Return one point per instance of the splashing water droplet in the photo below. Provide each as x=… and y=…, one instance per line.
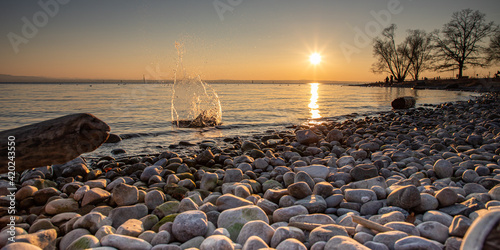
x=194, y=102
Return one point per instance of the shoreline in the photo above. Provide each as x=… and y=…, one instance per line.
x=482, y=85
x=428, y=171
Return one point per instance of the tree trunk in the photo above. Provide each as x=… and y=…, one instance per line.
x=460, y=69
x=50, y=142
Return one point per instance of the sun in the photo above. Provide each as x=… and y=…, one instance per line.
x=315, y=58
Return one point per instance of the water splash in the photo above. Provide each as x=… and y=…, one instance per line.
x=194, y=102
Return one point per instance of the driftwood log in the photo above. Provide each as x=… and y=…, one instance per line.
x=371, y=224
x=50, y=142
x=311, y=226
x=404, y=102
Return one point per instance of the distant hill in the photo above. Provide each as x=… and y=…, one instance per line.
x=11, y=78
x=5, y=78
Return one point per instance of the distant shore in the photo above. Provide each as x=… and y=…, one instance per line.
x=473, y=84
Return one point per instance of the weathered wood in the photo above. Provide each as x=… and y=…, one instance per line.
x=370, y=224
x=404, y=102
x=53, y=141
x=312, y=226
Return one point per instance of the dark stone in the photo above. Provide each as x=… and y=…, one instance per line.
x=489, y=183
x=248, y=145
x=404, y=197
x=205, y=157
x=306, y=137
x=113, y=138
x=299, y=190
x=364, y=171
x=78, y=169
x=404, y=102
x=117, y=151
x=371, y=207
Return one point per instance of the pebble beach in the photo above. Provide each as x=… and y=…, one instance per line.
x=421, y=176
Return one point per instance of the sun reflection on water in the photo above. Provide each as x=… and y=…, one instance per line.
x=313, y=105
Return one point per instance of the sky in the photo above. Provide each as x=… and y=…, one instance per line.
x=221, y=39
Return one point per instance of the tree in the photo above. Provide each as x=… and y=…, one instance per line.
x=419, y=47
x=391, y=58
x=493, y=51
x=461, y=42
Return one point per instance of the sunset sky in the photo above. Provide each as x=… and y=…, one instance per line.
x=223, y=39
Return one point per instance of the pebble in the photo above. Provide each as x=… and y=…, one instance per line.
x=256, y=228
x=344, y=242
x=306, y=137
x=95, y=196
x=313, y=204
x=254, y=243
x=154, y=198
x=234, y=219
x=121, y=214
x=438, y=216
x=299, y=190
x=427, y=172
x=428, y=202
x=403, y=226
x=389, y=238
x=433, y=230
x=291, y=244
x=124, y=194
x=217, y=242
x=315, y=171
x=325, y=232
x=443, y=168
x=131, y=227
x=229, y=201
x=415, y=242
x=125, y=242
x=405, y=197
x=72, y=236
x=92, y=221
x=283, y=233
x=360, y=195
x=84, y=242
x=376, y=245
x=45, y=239
x=364, y=171
x=21, y=246
x=61, y=206
x=446, y=197
x=190, y=224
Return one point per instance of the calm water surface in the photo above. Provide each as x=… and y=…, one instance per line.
x=247, y=109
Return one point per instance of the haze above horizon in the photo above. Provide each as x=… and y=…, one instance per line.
x=222, y=39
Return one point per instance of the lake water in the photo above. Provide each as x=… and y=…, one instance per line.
x=143, y=111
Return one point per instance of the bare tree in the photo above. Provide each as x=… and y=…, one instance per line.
x=391, y=58
x=493, y=51
x=419, y=51
x=461, y=42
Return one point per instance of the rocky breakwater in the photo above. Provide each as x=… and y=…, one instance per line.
x=399, y=180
